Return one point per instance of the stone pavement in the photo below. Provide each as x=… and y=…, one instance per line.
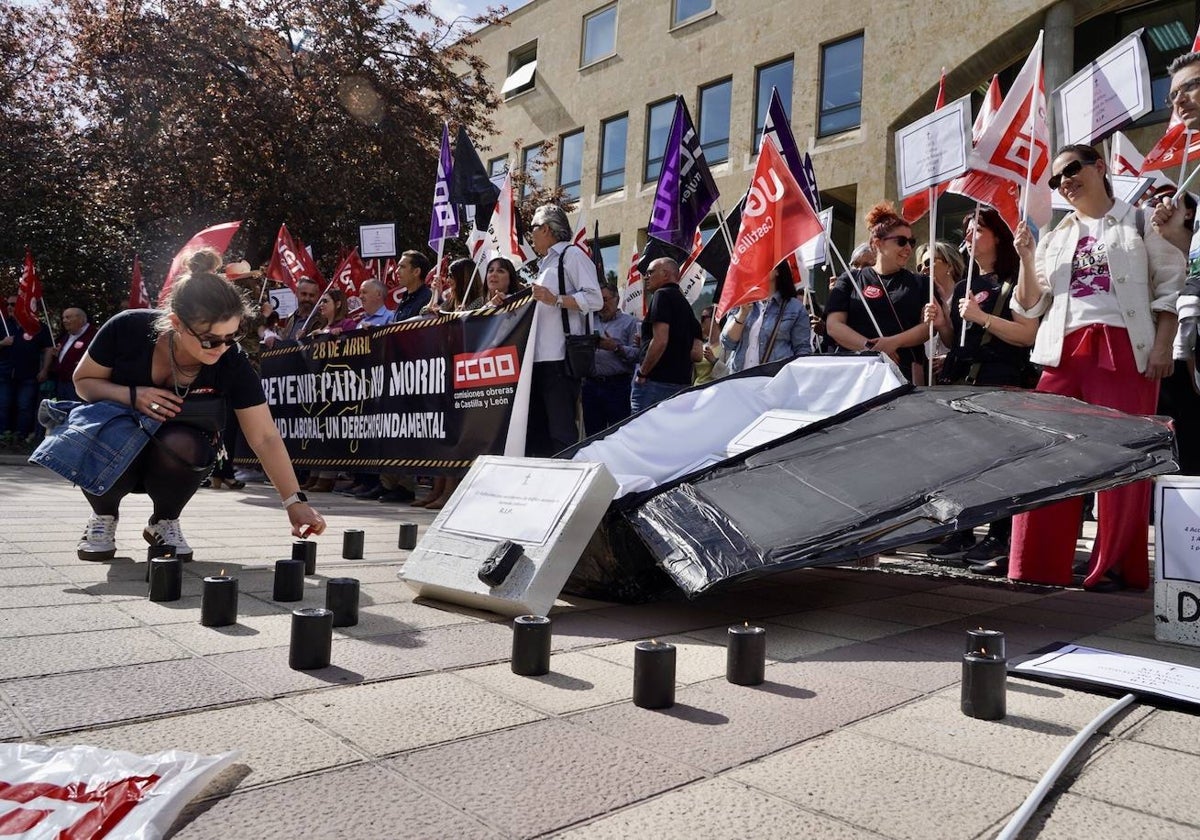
x=419, y=728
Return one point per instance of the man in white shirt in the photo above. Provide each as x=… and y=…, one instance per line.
x=79, y=333
x=374, y=312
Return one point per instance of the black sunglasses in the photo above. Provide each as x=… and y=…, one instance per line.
x=900, y=240
x=209, y=342
x=1069, y=171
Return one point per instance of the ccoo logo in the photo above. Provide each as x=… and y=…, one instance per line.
x=500, y=366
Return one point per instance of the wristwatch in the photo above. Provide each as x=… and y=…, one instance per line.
x=293, y=499
x=558, y=301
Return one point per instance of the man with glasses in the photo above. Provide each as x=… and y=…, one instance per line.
x=670, y=339
x=78, y=333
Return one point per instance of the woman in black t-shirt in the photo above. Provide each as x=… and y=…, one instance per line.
x=894, y=296
x=180, y=367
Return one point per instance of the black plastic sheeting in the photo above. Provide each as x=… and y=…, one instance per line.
x=908, y=467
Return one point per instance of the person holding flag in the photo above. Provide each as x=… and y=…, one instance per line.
x=768, y=330
x=892, y=296
x=1104, y=283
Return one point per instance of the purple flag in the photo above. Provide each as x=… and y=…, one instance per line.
x=443, y=224
x=777, y=127
x=686, y=189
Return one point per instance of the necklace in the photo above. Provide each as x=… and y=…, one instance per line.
x=179, y=371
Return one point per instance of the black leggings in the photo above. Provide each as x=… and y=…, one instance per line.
x=165, y=477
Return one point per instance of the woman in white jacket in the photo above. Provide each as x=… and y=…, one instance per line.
x=1104, y=284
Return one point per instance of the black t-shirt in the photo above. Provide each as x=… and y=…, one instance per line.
x=126, y=344
x=896, y=301
x=669, y=306
x=27, y=352
x=1001, y=362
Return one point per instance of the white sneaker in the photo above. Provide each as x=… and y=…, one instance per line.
x=168, y=532
x=99, y=540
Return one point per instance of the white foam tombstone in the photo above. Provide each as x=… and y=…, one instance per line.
x=1177, y=559
x=550, y=507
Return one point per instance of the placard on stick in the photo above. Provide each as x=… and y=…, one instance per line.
x=1177, y=559
x=934, y=148
x=1107, y=93
x=377, y=241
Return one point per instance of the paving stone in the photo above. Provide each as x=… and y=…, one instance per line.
x=187, y=610
x=1144, y=778
x=44, y=596
x=464, y=644
x=650, y=620
x=997, y=593
x=68, y=618
x=250, y=633
x=18, y=559
x=536, y=778
x=351, y=661
x=893, y=666
x=10, y=725
x=784, y=643
x=761, y=602
x=587, y=629
x=1170, y=730
x=274, y=744
x=716, y=725
x=384, y=718
x=899, y=613
x=31, y=656
x=831, y=623
x=696, y=660
x=1042, y=615
x=1071, y=817
x=892, y=789
x=401, y=617
x=936, y=600
x=1139, y=629
x=576, y=681
x=90, y=698
x=346, y=804
x=1110, y=605
x=31, y=576
x=715, y=810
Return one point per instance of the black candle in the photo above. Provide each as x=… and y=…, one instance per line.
x=166, y=579
x=352, y=544
x=983, y=686
x=408, y=536
x=654, y=675
x=157, y=550
x=312, y=639
x=306, y=550
x=289, y=580
x=746, y=655
x=990, y=642
x=218, y=601
x=531, y=645
x=341, y=599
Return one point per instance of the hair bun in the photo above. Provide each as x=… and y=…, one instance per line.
x=203, y=261
x=883, y=212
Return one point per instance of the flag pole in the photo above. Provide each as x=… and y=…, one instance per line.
x=1187, y=142
x=962, y=341
x=324, y=292
x=46, y=312
x=724, y=226
x=1033, y=92
x=857, y=287
x=262, y=293
x=930, y=345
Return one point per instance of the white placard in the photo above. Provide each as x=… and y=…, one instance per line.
x=1104, y=667
x=1128, y=188
x=1104, y=95
x=519, y=502
x=377, y=241
x=813, y=252
x=934, y=148
x=769, y=426
x=1177, y=529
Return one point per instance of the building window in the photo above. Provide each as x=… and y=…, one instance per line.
x=778, y=76
x=684, y=10
x=497, y=169
x=532, y=165
x=570, y=163
x=599, y=35
x=522, y=66
x=715, y=100
x=613, y=134
x=841, y=86
x=658, y=126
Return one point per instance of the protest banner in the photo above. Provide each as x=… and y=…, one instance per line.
x=1107, y=93
x=428, y=395
x=934, y=148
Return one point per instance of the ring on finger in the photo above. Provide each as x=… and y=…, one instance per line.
x=155, y=407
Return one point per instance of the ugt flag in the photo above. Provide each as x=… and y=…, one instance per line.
x=216, y=237
x=1177, y=143
x=686, y=189
x=776, y=220
x=776, y=127
x=349, y=278
x=29, y=297
x=138, y=298
x=443, y=224
x=998, y=193
x=290, y=262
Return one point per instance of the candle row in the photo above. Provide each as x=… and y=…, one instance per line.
x=984, y=665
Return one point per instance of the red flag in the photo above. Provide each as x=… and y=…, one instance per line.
x=349, y=278
x=29, y=297
x=633, y=299
x=290, y=262
x=138, y=299
x=776, y=220
x=998, y=193
x=917, y=204
x=217, y=236
x=1016, y=143
x=1169, y=151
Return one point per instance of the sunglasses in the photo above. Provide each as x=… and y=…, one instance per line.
x=900, y=240
x=1069, y=171
x=208, y=342
x=1181, y=91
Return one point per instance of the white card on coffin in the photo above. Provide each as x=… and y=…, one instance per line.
x=550, y=507
x=771, y=425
